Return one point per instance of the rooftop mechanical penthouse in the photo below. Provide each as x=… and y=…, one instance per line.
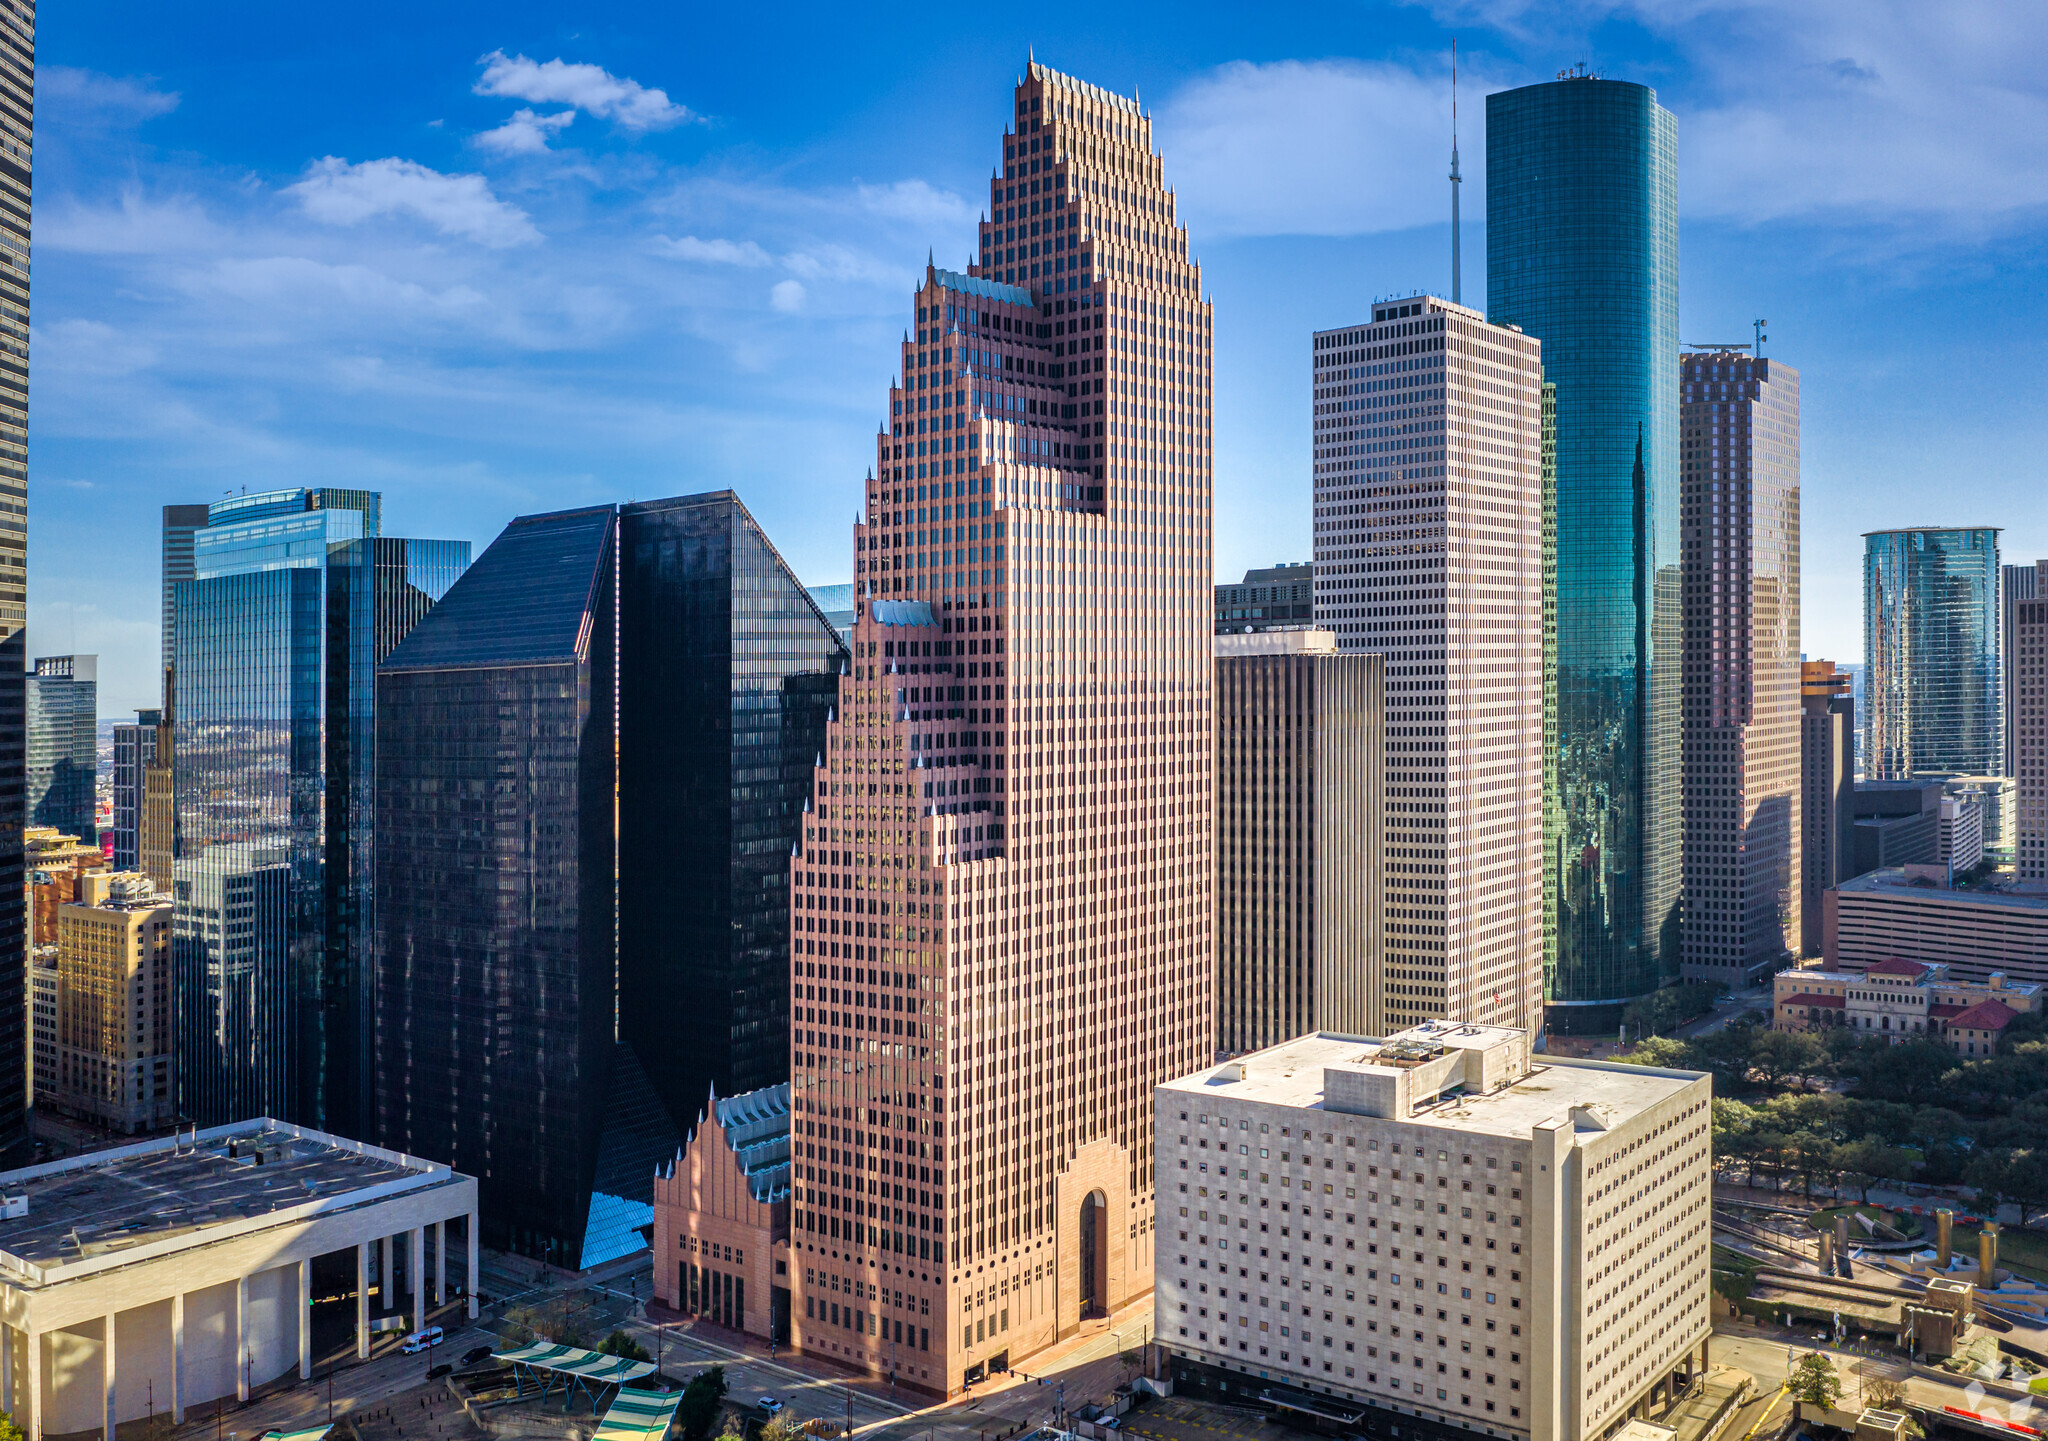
x=1435, y=1230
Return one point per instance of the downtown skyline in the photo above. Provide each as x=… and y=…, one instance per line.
x=385, y=288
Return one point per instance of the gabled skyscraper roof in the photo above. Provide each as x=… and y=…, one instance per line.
x=526, y=601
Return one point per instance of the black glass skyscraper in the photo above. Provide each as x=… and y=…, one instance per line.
x=1582, y=252
x=496, y=959
x=293, y=599
x=727, y=672
x=537, y=1025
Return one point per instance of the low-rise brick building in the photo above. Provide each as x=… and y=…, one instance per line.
x=1903, y=1000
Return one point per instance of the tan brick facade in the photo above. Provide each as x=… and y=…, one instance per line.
x=718, y=1250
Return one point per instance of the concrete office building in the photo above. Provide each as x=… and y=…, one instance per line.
x=63, y=740
x=1744, y=834
x=1561, y=1277
x=1278, y=597
x=1895, y=823
x=1959, y=826
x=1827, y=780
x=111, y=1314
x=1300, y=853
x=1035, y=573
x=134, y=749
x=1582, y=254
x=56, y=864
x=1430, y=551
x=1931, y=598
x=2017, y=583
x=111, y=1060
x=2028, y=682
x=17, y=148
x=1912, y=913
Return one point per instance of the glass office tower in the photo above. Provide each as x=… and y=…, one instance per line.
x=1932, y=688
x=496, y=956
x=292, y=601
x=63, y=738
x=1582, y=252
x=727, y=672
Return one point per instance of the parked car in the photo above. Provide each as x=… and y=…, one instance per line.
x=435, y=1373
x=419, y=1341
x=769, y=1406
x=475, y=1354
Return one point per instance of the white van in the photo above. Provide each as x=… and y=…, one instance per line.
x=419, y=1341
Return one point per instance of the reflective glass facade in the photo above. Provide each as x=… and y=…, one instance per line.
x=278, y=635
x=727, y=672
x=63, y=726
x=1932, y=687
x=495, y=961
x=1582, y=252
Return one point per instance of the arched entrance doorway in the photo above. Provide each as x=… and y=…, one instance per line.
x=1094, y=1255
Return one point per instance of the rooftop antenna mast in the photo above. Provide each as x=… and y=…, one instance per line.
x=1457, y=286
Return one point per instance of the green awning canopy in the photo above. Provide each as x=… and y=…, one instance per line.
x=570, y=1361
x=638, y=1415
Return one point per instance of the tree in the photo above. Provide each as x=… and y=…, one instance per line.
x=1780, y=1056
x=2026, y=1181
x=1987, y=1174
x=782, y=1428
x=624, y=1347
x=1813, y=1380
x=698, y=1410
x=1864, y=1163
x=1659, y=1051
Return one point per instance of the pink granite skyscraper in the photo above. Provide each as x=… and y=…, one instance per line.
x=1001, y=905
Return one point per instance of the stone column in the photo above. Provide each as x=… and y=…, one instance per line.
x=306, y=1320
x=35, y=1386
x=109, y=1369
x=241, y=1338
x=440, y=1263
x=384, y=1274
x=362, y=1300
x=178, y=1359
x=469, y=1230
x=6, y=1368
x=416, y=1267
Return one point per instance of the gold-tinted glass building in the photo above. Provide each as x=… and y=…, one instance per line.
x=1299, y=845
x=1739, y=495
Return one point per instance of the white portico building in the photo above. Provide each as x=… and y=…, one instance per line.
x=162, y=1275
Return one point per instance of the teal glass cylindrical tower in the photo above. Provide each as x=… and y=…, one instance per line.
x=1582, y=252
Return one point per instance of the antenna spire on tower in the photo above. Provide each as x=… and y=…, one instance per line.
x=1457, y=284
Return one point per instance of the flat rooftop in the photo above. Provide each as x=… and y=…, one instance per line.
x=107, y=1202
x=1291, y=1074
x=1984, y=893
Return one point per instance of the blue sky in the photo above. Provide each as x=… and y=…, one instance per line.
x=488, y=262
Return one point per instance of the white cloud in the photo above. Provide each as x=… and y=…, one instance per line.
x=525, y=133
x=67, y=93
x=787, y=296
x=589, y=88
x=1888, y=111
x=916, y=202
x=713, y=252
x=338, y=193
x=89, y=348
x=1314, y=147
